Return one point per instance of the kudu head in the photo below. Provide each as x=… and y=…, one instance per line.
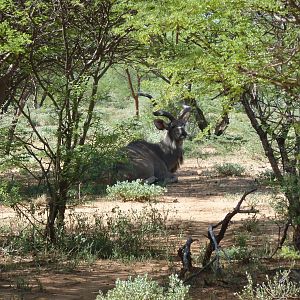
x=176, y=126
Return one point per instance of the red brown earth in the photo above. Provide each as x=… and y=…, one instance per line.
x=199, y=198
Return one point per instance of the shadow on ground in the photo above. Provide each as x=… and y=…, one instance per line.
x=192, y=196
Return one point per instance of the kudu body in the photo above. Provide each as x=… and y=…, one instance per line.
x=157, y=161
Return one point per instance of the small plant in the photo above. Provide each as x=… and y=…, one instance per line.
x=289, y=253
x=280, y=205
x=280, y=287
x=241, y=239
x=251, y=224
x=239, y=253
x=133, y=233
x=23, y=284
x=267, y=177
x=230, y=169
x=134, y=191
x=119, y=234
x=9, y=193
x=144, y=288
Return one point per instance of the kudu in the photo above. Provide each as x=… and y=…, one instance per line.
x=157, y=161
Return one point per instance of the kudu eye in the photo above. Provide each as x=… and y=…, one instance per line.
x=179, y=132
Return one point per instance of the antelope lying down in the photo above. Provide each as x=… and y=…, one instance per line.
x=157, y=162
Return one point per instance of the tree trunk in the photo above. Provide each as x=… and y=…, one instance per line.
x=214, y=240
x=11, y=132
x=50, y=232
x=222, y=125
x=288, y=174
x=207, y=255
x=135, y=95
x=4, y=85
x=63, y=195
x=294, y=211
x=296, y=237
x=198, y=113
x=262, y=135
x=57, y=208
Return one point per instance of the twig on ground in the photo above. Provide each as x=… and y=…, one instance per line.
x=184, y=253
x=283, y=238
x=216, y=239
x=200, y=271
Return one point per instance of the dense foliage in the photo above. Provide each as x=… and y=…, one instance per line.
x=247, y=52
x=134, y=191
x=240, y=54
x=61, y=136
x=66, y=47
x=144, y=288
x=278, y=287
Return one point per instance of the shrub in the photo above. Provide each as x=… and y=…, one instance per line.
x=9, y=193
x=97, y=161
x=118, y=234
x=230, y=169
x=251, y=224
x=144, y=288
x=289, y=253
x=239, y=253
x=280, y=287
x=133, y=233
x=267, y=177
x=134, y=191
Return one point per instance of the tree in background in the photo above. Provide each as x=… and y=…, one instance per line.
x=63, y=49
x=246, y=51
x=13, y=47
x=54, y=55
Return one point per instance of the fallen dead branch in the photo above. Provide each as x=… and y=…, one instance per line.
x=184, y=252
x=283, y=238
x=200, y=271
x=215, y=239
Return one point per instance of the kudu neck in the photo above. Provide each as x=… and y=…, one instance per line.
x=170, y=144
x=171, y=147
x=171, y=152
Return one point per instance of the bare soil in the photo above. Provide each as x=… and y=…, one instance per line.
x=198, y=199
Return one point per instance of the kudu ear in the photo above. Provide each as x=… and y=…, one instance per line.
x=161, y=124
x=185, y=113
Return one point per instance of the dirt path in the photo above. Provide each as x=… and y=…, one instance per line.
x=197, y=200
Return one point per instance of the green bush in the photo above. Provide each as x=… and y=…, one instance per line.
x=9, y=193
x=280, y=287
x=134, y=191
x=230, y=169
x=267, y=177
x=133, y=233
x=96, y=161
x=28, y=240
x=144, y=288
x=289, y=253
x=239, y=253
x=126, y=235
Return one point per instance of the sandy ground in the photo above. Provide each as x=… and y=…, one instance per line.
x=199, y=198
